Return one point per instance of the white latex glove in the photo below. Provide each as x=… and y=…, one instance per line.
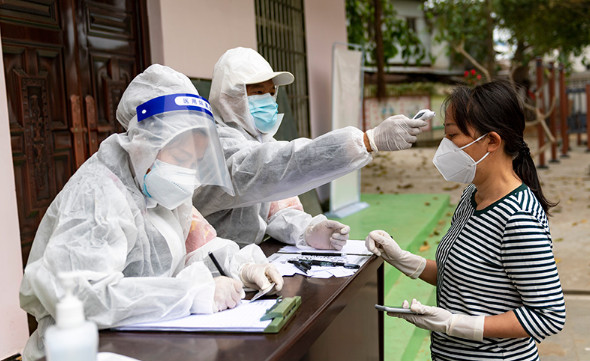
x=327, y=234
x=259, y=276
x=228, y=292
x=381, y=244
x=395, y=133
x=440, y=320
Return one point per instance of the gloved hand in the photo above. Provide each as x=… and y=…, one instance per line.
x=381, y=244
x=259, y=276
x=228, y=292
x=327, y=235
x=395, y=133
x=441, y=320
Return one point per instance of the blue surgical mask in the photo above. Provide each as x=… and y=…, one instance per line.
x=265, y=111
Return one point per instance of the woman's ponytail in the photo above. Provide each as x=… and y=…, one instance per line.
x=525, y=169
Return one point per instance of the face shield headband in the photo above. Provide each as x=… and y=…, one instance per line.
x=172, y=102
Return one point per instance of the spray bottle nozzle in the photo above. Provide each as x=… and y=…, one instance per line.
x=69, y=310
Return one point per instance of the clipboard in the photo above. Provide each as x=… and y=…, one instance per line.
x=262, y=316
x=281, y=313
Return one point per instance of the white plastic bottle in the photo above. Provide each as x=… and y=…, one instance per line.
x=72, y=338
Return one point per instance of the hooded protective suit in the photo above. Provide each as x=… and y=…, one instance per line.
x=104, y=229
x=263, y=169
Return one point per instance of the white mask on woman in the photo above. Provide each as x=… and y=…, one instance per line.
x=169, y=185
x=453, y=163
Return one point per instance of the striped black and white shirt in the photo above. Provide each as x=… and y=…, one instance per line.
x=495, y=260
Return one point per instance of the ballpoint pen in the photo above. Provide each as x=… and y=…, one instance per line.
x=217, y=265
x=327, y=254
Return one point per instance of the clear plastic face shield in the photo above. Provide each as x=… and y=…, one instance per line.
x=190, y=154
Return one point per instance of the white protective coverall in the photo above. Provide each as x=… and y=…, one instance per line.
x=99, y=226
x=263, y=169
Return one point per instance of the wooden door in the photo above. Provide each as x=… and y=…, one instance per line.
x=66, y=65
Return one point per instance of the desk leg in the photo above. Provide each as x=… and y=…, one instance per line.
x=381, y=315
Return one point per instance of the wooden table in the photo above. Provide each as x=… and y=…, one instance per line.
x=336, y=321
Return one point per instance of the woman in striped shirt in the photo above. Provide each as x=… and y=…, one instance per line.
x=498, y=290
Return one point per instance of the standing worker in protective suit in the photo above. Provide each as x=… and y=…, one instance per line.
x=121, y=223
x=266, y=172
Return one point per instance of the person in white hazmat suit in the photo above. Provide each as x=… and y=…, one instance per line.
x=266, y=172
x=122, y=223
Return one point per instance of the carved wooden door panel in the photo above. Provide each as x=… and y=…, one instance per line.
x=66, y=64
x=112, y=49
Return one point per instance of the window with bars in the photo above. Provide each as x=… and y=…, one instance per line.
x=280, y=33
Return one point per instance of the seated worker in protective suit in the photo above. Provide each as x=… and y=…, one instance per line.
x=122, y=222
x=266, y=172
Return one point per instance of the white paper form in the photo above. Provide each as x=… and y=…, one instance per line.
x=352, y=246
x=243, y=318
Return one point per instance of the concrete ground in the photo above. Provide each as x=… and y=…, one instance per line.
x=568, y=182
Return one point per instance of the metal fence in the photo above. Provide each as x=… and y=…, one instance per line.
x=576, y=119
x=280, y=32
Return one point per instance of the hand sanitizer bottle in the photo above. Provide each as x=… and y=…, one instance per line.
x=72, y=338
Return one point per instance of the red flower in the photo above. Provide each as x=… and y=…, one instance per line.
x=472, y=71
x=478, y=76
x=466, y=74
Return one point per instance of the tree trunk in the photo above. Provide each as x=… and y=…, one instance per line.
x=379, y=53
x=521, y=73
x=491, y=54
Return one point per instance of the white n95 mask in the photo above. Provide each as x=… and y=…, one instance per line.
x=453, y=163
x=169, y=185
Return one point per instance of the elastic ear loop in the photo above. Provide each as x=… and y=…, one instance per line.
x=477, y=140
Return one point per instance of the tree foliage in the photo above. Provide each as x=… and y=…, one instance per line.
x=536, y=27
x=398, y=38
x=542, y=27
x=464, y=24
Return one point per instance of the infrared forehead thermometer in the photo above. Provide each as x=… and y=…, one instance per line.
x=424, y=114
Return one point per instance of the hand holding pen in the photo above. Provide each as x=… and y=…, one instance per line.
x=228, y=291
x=262, y=276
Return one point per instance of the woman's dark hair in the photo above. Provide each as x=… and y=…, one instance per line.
x=496, y=107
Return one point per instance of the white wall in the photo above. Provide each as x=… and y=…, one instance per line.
x=190, y=35
x=411, y=9
x=577, y=65
x=325, y=24
x=13, y=328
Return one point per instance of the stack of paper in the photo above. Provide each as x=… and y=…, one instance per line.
x=244, y=318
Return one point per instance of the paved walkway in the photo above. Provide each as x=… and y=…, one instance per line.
x=568, y=182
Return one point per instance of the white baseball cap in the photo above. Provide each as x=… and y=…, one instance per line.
x=278, y=77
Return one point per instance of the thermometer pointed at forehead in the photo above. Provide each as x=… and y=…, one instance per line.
x=424, y=114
